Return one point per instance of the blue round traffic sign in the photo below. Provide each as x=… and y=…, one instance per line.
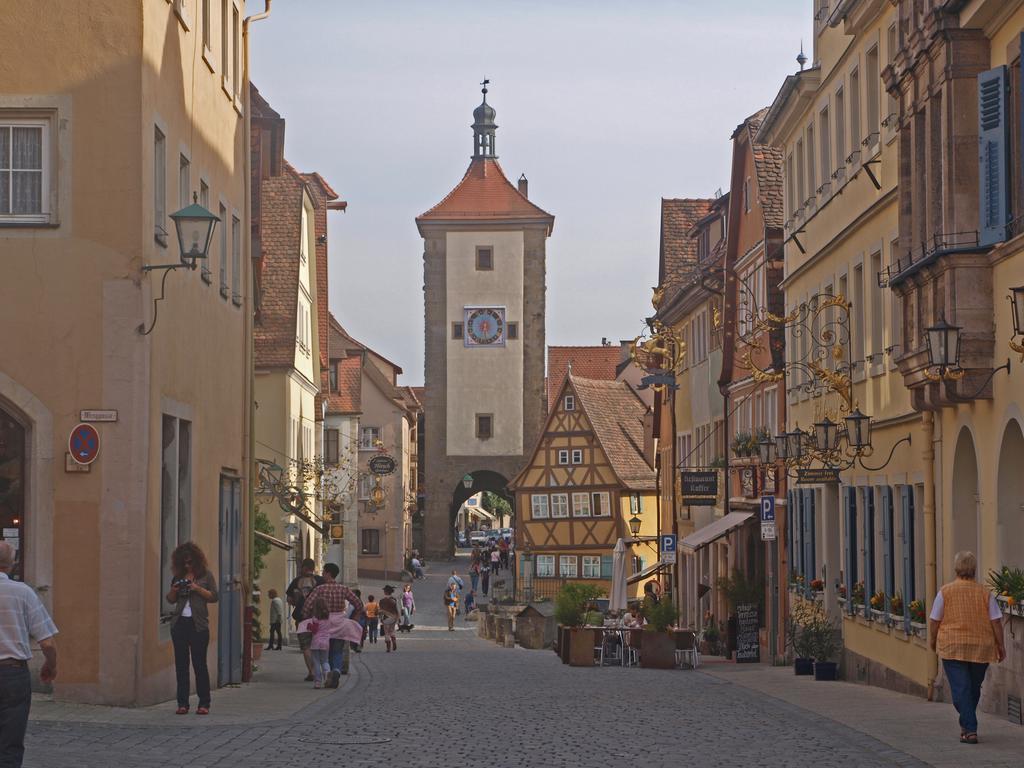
x=84, y=444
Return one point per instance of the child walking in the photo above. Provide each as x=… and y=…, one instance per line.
x=321, y=643
x=372, y=619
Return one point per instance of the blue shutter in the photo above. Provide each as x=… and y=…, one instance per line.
x=869, y=547
x=907, y=547
x=606, y=566
x=790, y=538
x=798, y=534
x=993, y=157
x=888, y=544
x=850, y=497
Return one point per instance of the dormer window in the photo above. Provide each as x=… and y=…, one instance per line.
x=332, y=376
x=570, y=403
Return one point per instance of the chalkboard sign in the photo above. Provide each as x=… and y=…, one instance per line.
x=748, y=646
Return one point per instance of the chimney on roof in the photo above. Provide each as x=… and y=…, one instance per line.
x=524, y=185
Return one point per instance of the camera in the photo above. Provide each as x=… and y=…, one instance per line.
x=183, y=585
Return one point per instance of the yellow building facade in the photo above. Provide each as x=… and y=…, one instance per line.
x=134, y=117
x=864, y=535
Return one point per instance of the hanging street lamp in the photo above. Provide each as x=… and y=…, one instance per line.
x=467, y=481
x=826, y=435
x=634, y=525
x=858, y=431
x=944, y=349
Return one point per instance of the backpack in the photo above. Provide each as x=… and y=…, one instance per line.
x=303, y=587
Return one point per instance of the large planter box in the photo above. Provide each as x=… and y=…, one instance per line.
x=825, y=670
x=564, y=633
x=803, y=666
x=658, y=650
x=581, y=647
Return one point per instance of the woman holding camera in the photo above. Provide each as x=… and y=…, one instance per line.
x=193, y=588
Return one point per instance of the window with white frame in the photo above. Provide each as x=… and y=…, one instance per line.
x=812, y=176
x=368, y=438
x=877, y=311
x=567, y=566
x=225, y=43
x=545, y=566
x=159, y=186
x=581, y=505
x=684, y=445
x=602, y=503
x=559, y=505
x=236, y=29
x=591, y=566
x=872, y=106
x=577, y=455
x=825, y=142
x=26, y=167
x=854, y=111
x=365, y=485
x=840, y=128
x=563, y=456
x=539, y=506
x=801, y=178
x=570, y=403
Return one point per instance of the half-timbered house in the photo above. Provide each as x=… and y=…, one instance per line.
x=589, y=474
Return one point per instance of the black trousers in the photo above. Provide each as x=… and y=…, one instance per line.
x=188, y=642
x=15, y=700
x=275, y=628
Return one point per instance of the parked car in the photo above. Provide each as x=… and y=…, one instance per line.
x=461, y=540
x=493, y=535
x=477, y=538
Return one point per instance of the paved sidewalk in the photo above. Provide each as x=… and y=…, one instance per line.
x=922, y=729
x=277, y=692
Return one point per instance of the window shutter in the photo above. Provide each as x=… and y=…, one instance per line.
x=993, y=157
x=888, y=566
x=790, y=537
x=807, y=511
x=850, y=499
x=869, y=548
x=907, y=511
x=606, y=566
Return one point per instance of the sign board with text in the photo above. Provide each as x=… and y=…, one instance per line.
x=700, y=488
x=382, y=464
x=667, y=546
x=815, y=475
x=748, y=642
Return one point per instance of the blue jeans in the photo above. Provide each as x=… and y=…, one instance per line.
x=474, y=578
x=15, y=700
x=965, y=679
x=338, y=656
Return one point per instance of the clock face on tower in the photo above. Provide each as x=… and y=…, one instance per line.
x=485, y=326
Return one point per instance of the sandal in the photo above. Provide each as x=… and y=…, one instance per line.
x=181, y=711
x=202, y=710
x=968, y=738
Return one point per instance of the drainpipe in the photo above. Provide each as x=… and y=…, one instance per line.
x=249, y=443
x=930, y=581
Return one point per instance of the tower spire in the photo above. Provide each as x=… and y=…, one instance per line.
x=484, y=127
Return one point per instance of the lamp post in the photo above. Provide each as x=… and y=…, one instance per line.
x=467, y=481
x=194, y=225
x=634, y=524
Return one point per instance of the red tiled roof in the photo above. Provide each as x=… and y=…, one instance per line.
x=597, y=362
x=485, y=194
x=348, y=398
x=678, y=250
x=617, y=416
x=274, y=329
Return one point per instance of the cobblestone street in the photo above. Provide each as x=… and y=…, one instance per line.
x=452, y=699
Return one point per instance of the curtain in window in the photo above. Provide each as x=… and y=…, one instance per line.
x=5, y=173
x=27, y=170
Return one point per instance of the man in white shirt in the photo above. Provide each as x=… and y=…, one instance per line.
x=22, y=619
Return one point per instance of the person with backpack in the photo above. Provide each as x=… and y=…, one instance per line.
x=297, y=592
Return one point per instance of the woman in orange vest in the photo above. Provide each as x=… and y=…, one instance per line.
x=967, y=634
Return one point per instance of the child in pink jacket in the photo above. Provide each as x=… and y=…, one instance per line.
x=326, y=626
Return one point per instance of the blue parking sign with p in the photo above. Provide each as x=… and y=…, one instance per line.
x=668, y=542
x=767, y=509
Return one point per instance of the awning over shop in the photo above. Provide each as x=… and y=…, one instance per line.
x=647, y=572
x=272, y=541
x=714, y=531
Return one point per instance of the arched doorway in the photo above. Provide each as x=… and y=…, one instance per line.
x=965, y=498
x=1010, y=497
x=472, y=484
x=12, y=487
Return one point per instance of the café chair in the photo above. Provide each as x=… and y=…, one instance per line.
x=686, y=650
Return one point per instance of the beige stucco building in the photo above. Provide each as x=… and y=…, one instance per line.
x=143, y=107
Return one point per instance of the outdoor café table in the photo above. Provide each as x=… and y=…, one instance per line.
x=611, y=634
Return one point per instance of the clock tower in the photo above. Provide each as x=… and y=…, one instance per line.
x=484, y=285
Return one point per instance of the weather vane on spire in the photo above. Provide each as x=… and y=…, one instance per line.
x=485, y=83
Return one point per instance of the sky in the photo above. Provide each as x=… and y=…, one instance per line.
x=607, y=107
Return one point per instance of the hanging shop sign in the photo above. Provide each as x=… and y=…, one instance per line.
x=815, y=475
x=700, y=488
x=382, y=464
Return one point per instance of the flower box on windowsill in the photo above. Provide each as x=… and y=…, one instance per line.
x=919, y=630
x=877, y=615
x=1010, y=610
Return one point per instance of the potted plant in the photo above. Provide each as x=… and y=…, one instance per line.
x=658, y=644
x=817, y=585
x=858, y=593
x=1008, y=586
x=571, y=612
x=822, y=642
x=709, y=646
x=878, y=602
x=741, y=444
x=917, y=617
x=799, y=638
x=896, y=604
